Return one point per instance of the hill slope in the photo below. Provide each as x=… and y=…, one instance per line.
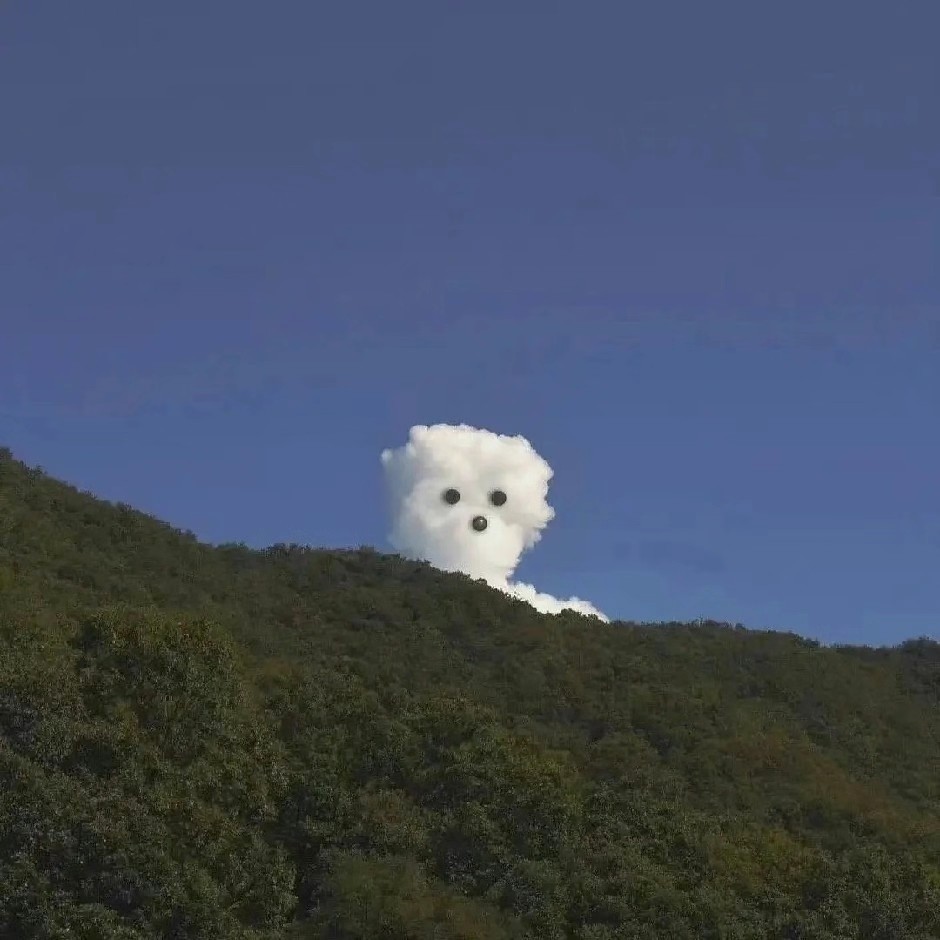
x=214, y=742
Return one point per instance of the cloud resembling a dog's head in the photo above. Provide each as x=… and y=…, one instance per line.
x=470, y=500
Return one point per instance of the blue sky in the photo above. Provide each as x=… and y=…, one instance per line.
x=689, y=250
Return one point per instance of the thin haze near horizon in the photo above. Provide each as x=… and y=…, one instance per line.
x=689, y=251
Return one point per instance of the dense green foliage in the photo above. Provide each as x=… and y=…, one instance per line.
x=215, y=742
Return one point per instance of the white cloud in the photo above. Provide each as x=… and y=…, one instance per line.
x=466, y=499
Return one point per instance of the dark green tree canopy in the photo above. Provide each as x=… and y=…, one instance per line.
x=210, y=741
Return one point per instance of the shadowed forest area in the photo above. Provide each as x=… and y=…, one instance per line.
x=215, y=742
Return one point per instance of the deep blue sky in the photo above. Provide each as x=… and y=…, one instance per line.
x=690, y=250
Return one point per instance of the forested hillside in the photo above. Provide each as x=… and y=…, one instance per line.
x=215, y=742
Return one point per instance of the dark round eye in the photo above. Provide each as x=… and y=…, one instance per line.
x=497, y=497
x=451, y=496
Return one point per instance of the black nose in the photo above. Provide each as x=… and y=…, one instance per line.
x=479, y=523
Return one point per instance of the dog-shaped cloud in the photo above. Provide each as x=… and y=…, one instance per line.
x=466, y=499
